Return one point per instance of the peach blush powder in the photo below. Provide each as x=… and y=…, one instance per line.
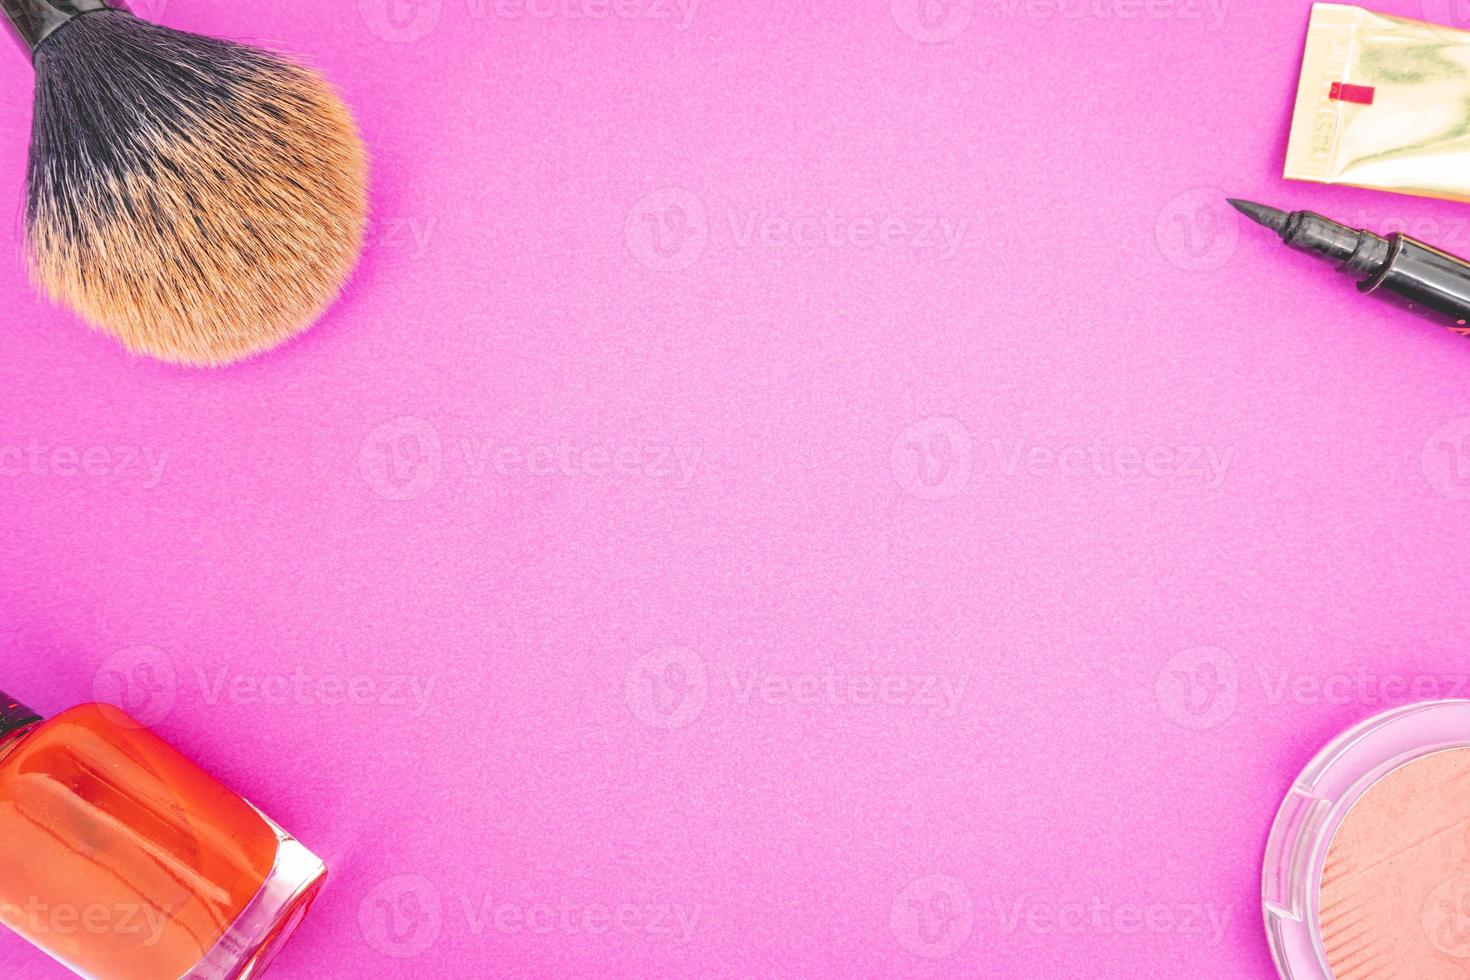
x=1394, y=899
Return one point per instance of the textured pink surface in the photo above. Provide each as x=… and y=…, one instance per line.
x=933, y=554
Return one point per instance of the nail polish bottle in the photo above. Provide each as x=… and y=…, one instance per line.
x=125, y=861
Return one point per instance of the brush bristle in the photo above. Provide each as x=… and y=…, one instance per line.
x=201, y=200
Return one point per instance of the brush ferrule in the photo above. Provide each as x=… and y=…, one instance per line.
x=33, y=21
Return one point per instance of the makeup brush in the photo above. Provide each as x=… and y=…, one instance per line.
x=200, y=200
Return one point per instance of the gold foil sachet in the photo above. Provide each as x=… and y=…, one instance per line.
x=1383, y=103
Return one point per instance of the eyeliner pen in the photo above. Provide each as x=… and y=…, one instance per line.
x=1429, y=283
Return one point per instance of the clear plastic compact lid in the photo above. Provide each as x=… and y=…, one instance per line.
x=1314, y=808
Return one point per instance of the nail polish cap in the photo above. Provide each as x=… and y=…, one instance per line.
x=14, y=715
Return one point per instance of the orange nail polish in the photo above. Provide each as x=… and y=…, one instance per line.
x=125, y=861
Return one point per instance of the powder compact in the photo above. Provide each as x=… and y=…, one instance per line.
x=1367, y=869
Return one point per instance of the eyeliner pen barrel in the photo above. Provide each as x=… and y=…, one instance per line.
x=1418, y=277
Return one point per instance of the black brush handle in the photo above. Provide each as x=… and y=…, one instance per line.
x=33, y=21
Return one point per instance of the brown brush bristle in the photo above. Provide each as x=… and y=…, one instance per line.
x=200, y=200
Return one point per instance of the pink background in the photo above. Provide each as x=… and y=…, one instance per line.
x=681, y=538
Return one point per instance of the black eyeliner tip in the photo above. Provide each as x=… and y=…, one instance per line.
x=1270, y=217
